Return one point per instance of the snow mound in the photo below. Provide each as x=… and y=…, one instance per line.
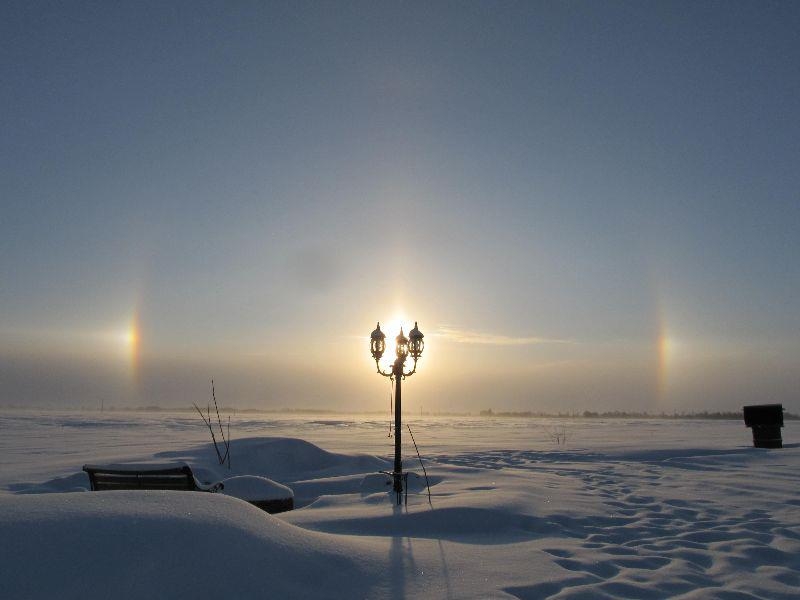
x=164, y=544
x=282, y=459
x=252, y=488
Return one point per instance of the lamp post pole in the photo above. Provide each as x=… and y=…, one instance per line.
x=412, y=345
x=398, y=426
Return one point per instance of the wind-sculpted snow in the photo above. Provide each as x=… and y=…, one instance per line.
x=651, y=510
x=732, y=532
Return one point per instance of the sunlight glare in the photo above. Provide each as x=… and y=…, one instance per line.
x=391, y=327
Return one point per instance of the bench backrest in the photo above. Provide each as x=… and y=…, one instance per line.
x=177, y=478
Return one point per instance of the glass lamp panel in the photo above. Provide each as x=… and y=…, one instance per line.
x=415, y=341
x=377, y=343
x=402, y=344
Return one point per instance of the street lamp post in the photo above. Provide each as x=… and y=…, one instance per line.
x=412, y=345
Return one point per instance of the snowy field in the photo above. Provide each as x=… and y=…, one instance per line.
x=621, y=509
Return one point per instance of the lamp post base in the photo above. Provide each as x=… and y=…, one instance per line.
x=399, y=486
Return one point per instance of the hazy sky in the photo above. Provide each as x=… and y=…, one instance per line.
x=586, y=205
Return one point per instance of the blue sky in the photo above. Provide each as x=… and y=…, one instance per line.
x=586, y=205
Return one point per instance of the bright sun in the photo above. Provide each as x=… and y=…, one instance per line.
x=391, y=327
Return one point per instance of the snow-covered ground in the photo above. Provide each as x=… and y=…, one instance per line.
x=622, y=509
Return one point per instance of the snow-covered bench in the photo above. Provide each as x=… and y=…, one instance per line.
x=264, y=493
x=172, y=476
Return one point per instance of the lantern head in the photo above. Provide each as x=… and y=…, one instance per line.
x=402, y=345
x=415, y=343
x=377, y=343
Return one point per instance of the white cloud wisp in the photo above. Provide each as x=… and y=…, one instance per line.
x=464, y=336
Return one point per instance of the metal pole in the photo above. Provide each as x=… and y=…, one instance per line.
x=398, y=429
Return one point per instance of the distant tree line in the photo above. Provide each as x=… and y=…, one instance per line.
x=620, y=414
